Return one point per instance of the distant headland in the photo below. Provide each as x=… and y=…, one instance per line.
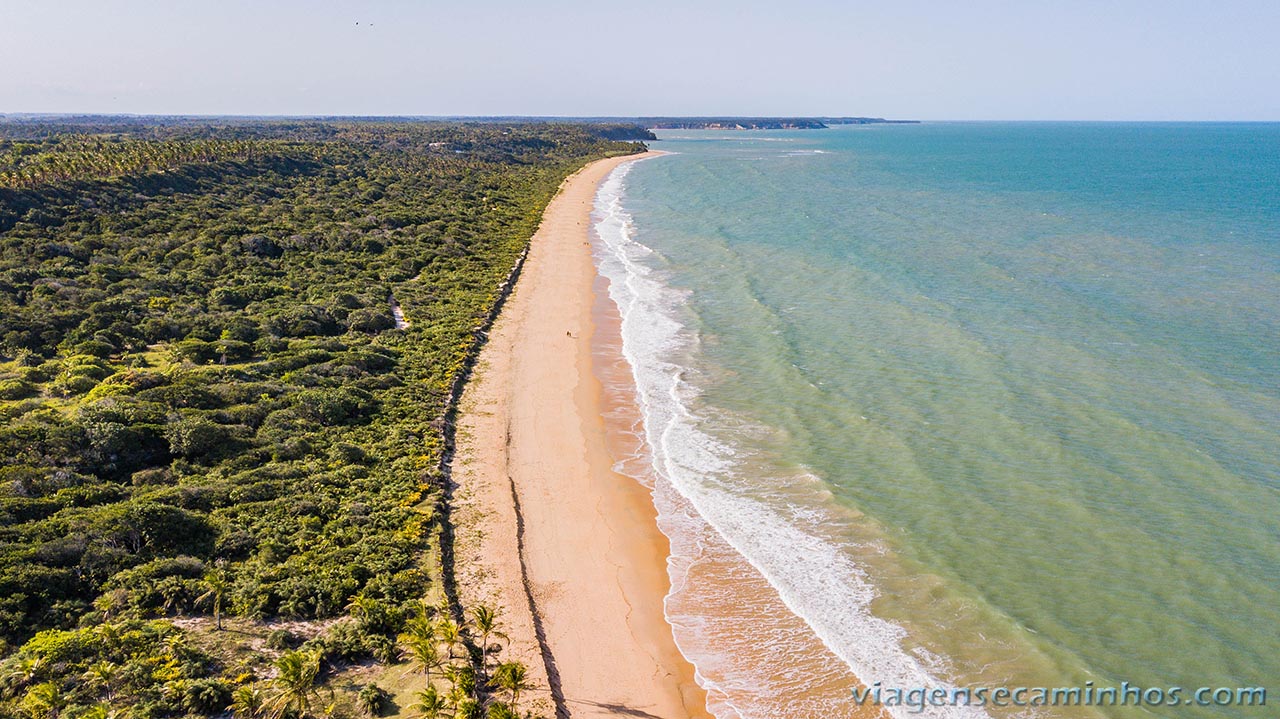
x=713, y=122
x=760, y=123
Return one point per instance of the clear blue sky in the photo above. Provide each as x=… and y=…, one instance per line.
x=928, y=59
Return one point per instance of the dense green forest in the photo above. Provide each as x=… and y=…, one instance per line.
x=226, y=355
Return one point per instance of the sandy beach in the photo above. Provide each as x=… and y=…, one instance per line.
x=546, y=530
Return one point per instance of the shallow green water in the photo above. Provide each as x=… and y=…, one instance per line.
x=1042, y=359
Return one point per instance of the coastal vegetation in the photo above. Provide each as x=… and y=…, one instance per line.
x=761, y=123
x=227, y=357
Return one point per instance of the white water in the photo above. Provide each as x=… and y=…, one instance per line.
x=700, y=487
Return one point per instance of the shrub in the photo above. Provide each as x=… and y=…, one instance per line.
x=26, y=358
x=74, y=385
x=332, y=406
x=373, y=699
x=501, y=710
x=96, y=348
x=82, y=365
x=370, y=320
x=227, y=297
x=344, y=641
x=194, y=436
x=281, y=639
x=206, y=696
x=232, y=350
x=193, y=350
x=16, y=389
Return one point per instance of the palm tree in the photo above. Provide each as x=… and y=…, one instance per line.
x=463, y=679
x=23, y=672
x=425, y=656
x=217, y=585
x=420, y=635
x=103, y=674
x=500, y=710
x=466, y=708
x=450, y=634
x=108, y=634
x=366, y=611
x=419, y=628
x=430, y=704
x=486, y=620
x=97, y=711
x=247, y=702
x=514, y=677
x=111, y=603
x=43, y=701
x=458, y=699
x=295, y=684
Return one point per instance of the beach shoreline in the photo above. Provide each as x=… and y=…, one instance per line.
x=546, y=529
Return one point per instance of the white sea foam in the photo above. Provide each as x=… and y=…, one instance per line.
x=695, y=473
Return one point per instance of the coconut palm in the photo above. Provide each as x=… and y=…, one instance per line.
x=430, y=704
x=247, y=702
x=99, y=711
x=425, y=656
x=463, y=679
x=501, y=710
x=295, y=685
x=514, y=677
x=43, y=701
x=102, y=674
x=466, y=708
x=486, y=621
x=22, y=672
x=217, y=584
x=464, y=705
x=420, y=627
x=361, y=607
x=450, y=634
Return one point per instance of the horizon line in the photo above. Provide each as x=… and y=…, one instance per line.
x=23, y=114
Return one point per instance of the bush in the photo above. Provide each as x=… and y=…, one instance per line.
x=331, y=407
x=370, y=320
x=156, y=476
x=193, y=350
x=82, y=365
x=192, y=437
x=501, y=710
x=72, y=386
x=227, y=297
x=373, y=699
x=382, y=648
x=281, y=640
x=344, y=642
x=16, y=389
x=27, y=358
x=96, y=348
x=206, y=696
x=233, y=350
x=348, y=453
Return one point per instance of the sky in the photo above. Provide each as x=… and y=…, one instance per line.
x=916, y=59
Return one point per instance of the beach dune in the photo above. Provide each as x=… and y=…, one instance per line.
x=547, y=530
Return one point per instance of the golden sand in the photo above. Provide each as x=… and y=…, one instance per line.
x=568, y=548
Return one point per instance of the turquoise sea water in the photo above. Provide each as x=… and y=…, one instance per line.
x=975, y=404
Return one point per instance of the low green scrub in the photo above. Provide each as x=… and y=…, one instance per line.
x=205, y=407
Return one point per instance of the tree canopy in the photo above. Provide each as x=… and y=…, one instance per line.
x=207, y=404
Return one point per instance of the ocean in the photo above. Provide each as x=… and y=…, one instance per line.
x=959, y=405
